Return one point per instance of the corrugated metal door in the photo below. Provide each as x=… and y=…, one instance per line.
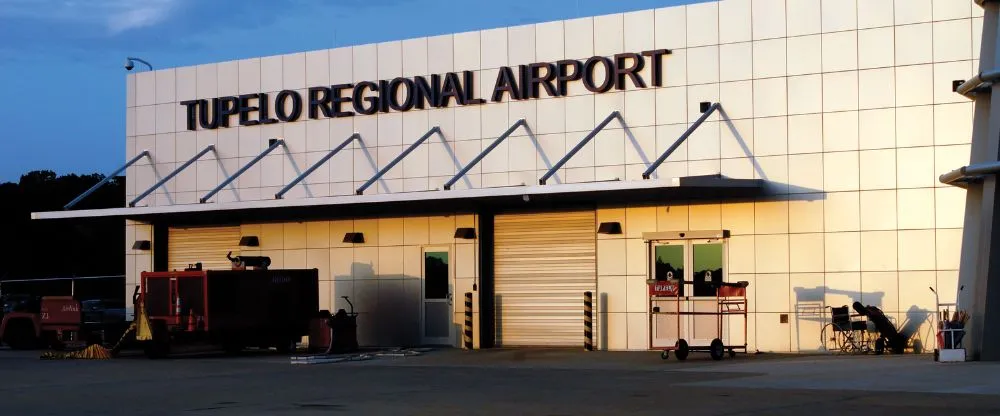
x=543, y=264
x=207, y=245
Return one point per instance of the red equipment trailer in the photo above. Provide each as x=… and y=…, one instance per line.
x=231, y=309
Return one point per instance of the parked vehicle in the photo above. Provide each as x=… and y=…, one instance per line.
x=104, y=319
x=52, y=322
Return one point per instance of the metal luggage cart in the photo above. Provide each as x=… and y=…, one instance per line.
x=696, y=318
x=950, y=323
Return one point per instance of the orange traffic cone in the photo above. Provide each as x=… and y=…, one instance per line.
x=191, y=321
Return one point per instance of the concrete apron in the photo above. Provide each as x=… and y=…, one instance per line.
x=908, y=373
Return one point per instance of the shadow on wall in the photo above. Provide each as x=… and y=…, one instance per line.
x=388, y=306
x=812, y=313
x=910, y=328
x=810, y=307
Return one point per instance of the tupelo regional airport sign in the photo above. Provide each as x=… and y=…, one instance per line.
x=403, y=94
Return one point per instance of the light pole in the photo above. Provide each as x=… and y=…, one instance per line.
x=130, y=63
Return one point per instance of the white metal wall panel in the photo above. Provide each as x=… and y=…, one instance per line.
x=207, y=245
x=543, y=264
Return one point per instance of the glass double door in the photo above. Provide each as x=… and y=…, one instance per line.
x=700, y=264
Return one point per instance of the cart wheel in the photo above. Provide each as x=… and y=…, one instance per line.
x=682, y=350
x=716, y=349
x=732, y=353
x=665, y=354
x=879, y=346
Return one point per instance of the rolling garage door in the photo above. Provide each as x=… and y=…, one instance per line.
x=543, y=264
x=207, y=245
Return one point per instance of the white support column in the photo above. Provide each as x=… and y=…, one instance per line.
x=977, y=271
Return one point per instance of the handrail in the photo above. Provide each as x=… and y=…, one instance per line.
x=207, y=149
x=361, y=190
x=274, y=145
x=586, y=139
x=312, y=168
x=487, y=150
x=680, y=140
x=107, y=178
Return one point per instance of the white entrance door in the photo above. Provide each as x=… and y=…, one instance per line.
x=669, y=261
x=700, y=262
x=436, y=312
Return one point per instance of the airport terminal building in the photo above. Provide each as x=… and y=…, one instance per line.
x=792, y=144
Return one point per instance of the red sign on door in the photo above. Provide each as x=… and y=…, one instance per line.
x=664, y=288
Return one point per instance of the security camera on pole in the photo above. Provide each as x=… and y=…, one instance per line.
x=130, y=63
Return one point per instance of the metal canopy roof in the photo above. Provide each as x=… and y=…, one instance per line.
x=532, y=197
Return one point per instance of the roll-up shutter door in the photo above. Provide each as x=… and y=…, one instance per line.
x=543, y=265
x=207, y=245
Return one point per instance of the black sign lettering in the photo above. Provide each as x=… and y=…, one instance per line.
x=265, y=110
x=203, y=114
x=588, y=74
x=621, y=71
x=470, y=89
x=655, y=65
x=506, y=83
x=360, y=99
x=192, y=108
x=319, y=99
x=433, y=91
x=246, y=109
x=544, y=80
x=336, y=100
x=452, y=89
x=567, y=70
x=429, y=93
x=394, y=92
x=383, y=96
x=228, y=106
x=281, y=105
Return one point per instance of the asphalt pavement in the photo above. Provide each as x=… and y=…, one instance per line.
x=500, y=382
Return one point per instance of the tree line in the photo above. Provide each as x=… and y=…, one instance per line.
x=31, y=249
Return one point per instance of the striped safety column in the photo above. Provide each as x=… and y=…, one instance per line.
x=467, y=332
x=588, y=320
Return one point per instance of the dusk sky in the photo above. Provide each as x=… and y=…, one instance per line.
x=61, y=61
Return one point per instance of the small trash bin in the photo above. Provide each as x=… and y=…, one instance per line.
x=319, y=332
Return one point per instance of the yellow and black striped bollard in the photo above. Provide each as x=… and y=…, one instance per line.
x=467, y=332
x=588, y=321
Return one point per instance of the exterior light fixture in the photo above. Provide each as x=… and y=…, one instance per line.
x=465, y=233
x=356, y=238
x=249, y=241
x=610, y=228
x=130, y=63
x=143, y=245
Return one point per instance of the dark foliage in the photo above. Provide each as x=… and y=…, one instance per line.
x=51, y=248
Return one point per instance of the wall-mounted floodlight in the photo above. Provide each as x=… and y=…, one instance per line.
x=610, y=228
x=465, y=233
x=144, y=245
x=249, y=241
x=355, y=238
